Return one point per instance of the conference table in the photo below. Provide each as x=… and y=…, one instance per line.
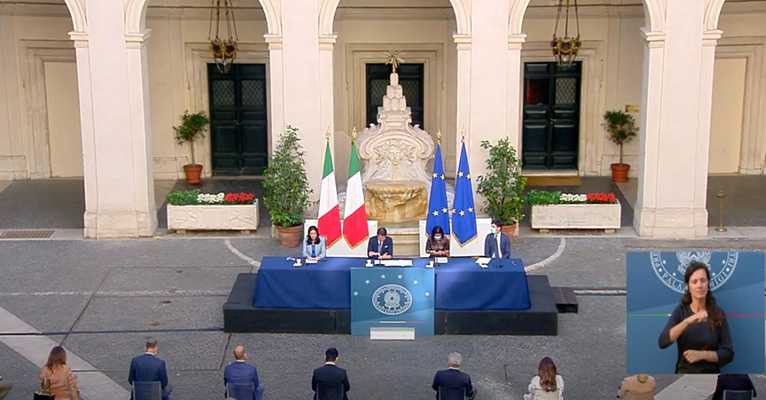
x=460, y=284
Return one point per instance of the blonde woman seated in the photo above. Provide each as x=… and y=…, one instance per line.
x=437, y=244
x=314, y=245
x=57, y=379
x=547, y=385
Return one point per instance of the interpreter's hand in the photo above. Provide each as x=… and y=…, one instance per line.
x=698, y=317
x=693, y=356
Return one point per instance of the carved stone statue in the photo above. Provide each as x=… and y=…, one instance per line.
x=395, y=155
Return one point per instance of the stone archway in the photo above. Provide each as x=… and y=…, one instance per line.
x=77, y=12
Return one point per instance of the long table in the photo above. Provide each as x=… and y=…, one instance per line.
x=460, y=284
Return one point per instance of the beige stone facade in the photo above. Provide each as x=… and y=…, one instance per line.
x=92, y=88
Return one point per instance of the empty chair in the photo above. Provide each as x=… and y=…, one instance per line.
x=737, y=394
x=146, y=390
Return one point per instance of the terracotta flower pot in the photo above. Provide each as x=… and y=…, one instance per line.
x=510, y=230
x=193, y=173
x=290, y=236
x=620, y=172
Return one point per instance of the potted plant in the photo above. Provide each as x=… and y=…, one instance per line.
x=551, y=209
x=286, y=191
x=192, y=127
x=503, y=185
x=622, y=128
x=193, y=210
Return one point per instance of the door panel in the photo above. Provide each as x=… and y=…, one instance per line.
x=239, y=119
x=551, y=116
x=62, y=101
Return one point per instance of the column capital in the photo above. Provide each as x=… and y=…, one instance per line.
x=710, y=37
x=327, y=41
x=516, y=40
x=462, y=40
x=80, y=39
x=653, y=39
x=274, y=41
x=135, y=40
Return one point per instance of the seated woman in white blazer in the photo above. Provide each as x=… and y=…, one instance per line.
x=314, y=245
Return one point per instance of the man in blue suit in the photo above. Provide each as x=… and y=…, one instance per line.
x=452, y=382
x=241, y=373
x=381, y=246
x=150, y=368
x=330, y=380
x=497, y=244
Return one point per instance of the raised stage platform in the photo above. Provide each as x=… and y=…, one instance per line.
x=240, y=315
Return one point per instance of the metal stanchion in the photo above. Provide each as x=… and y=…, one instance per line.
x=720, y=195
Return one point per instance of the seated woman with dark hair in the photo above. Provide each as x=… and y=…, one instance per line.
x=699, y=327
x=313, y=246
x=437, y=244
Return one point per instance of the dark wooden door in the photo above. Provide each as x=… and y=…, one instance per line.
x=411, y=79
x=551, y=115
x=239, y=129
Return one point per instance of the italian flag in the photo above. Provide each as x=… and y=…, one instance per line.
x=355, y=215
x=329, y=210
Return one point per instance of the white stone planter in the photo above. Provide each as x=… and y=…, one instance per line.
x=240, y=217
x=576, y=216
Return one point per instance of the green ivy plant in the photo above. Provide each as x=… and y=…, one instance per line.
x=621, y=127
x=543, y=197
x=183, y=197
x=192, y=127
x=503, y=185
x=286, y=189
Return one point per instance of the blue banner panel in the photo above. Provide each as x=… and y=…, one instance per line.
x=392, y=298
x=656, y=285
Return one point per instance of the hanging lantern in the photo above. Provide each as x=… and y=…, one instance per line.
x=224, y=50
x=565, y=47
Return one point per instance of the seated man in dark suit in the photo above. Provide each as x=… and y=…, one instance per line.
x=241, y=373
x=329, y=380
x=453, y=383
x=381, y=246
x=497, y=244
x=150, y=368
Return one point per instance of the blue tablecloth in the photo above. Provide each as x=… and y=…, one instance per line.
x=460, y=284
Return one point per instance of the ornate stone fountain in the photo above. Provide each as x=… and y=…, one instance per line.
x=395, y=154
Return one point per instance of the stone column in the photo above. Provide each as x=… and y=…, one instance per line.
x=463, y=122
x=276, y=89
x=114, y=113
x=489, y=74
x=327, y=102
x=515, y=87
x=301, y=79
x=675, y=127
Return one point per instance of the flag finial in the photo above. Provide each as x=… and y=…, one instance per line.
x=353, y=134
x=439, y=136
x=327, y=135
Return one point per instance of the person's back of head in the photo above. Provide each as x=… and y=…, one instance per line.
x=152, y=346
x=454, y=360
x=331, y=355
x=239, y=353
x=56, y=358
x=546, y=370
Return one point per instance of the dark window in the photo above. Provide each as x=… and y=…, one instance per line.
x=411, y=80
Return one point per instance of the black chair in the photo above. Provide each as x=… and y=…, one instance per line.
x=737, y=394
x=146, y=390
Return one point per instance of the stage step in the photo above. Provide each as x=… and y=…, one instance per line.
x=566, y=300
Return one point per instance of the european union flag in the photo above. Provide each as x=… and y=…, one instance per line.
x=438, y=212
x=463, y=213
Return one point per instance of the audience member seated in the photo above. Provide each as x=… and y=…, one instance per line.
x=437, y=244
x=148, y=367
x=637, y=387
x=381, y=246
x=239, y=372
x=497, y=244
x=452, y=383
x=314, y=247
x=547, y=385
x=329, y=381
x=5, y=388
x=57, y=379
x=738, y=382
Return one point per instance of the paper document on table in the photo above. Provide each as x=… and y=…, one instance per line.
x=396, y=263
x=310, y=261
x=483, y=260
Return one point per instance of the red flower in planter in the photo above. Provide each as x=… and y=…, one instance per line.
x=601, y=198
x=239, y=198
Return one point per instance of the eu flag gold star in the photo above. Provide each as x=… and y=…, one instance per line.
x=435, y=175
x=460, y=173
x=436, y=213
x=468, y=176
x=442, y=176
x=462, y=213
x=444, y=210
x=470, y=210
